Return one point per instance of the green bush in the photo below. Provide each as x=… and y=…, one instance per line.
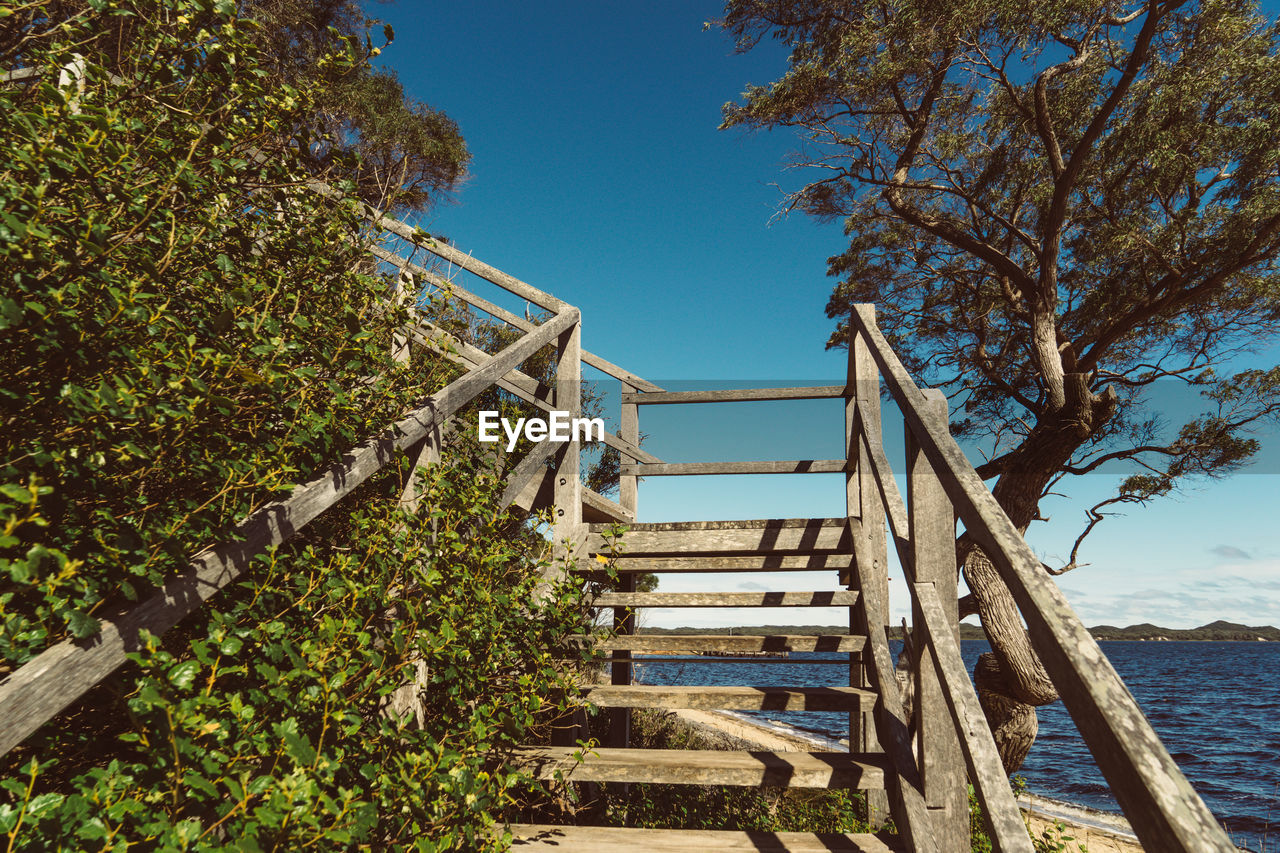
x=186, y=331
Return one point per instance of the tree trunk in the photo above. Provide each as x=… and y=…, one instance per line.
x=1010, y=680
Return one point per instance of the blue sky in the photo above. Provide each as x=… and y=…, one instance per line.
x=599, y=176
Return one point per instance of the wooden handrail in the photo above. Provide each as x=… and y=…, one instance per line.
x=44, y=686
x=986, y=773
x=1165, y=812
x=497, y=311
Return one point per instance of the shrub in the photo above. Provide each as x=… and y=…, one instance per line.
x=186, y=331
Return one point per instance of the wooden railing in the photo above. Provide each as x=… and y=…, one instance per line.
x=1166, y=814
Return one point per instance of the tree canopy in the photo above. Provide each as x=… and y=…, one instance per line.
x=1053, y=207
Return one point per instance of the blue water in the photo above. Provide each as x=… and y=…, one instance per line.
x=1216, y=706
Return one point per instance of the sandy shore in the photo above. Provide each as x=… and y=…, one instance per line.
x=1098, y=832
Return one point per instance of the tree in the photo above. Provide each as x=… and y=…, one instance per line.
x=1053, y=206
x=409, y=154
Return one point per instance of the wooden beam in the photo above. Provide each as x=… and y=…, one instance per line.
x=732, y=643
x=818, y=598
x=506, y=316
x=535, y=838
x=747, y=563
x=735, y=698
x=1164, y=810
x=749, y=538
x=684, y=469
x=736, y=395
x=908, y=806
x=701, y=767
x=933, y=549
x=599, y=509
x=42, y=688
x=1000, y=811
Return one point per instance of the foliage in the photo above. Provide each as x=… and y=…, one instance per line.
x=185, y=334
x=1052, y=207
x=409, y=154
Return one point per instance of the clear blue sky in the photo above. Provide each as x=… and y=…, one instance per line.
x=599, y=176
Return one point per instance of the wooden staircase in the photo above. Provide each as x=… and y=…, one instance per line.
x=773, y=547
x=914, y=767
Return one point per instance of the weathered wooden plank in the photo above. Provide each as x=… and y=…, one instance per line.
x=640, y=658
x=702, y=767
x=738, y=698
x=530, y=838
x=597, y=508
x=933, y=549
x=443, y=250
x=733, y=643
x=43, y=687
x=735, y=395
x=619, y=373
x=817, y=598
x=907, y=803
x=1000, y=811
x=526, y=480
x=751, y=563
x=568, y=483
x=629, y=430
x=685, y=469
x=453, y=288
x=1164, y=810
x=497, y=311
x=730, y=538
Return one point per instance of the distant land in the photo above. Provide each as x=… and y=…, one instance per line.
x=1219, y=630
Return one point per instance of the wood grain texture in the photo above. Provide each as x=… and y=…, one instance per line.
x=736, y=395
x=904, y=785
x=933, y=550
x=532, y=838
x=748, y=538
x=746, y=563
x=1000, y=812
x=703, y=767
x=43, y=687
x=687, y=469
x=1164, y=810
x=737, y=698
x=818, y=598
x=734, y=643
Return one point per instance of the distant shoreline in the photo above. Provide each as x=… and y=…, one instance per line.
x=1217, y=632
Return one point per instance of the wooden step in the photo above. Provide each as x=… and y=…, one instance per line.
x=609, y=839
x=753, y=537
x=676, y=643
x=745, y=698
x=742, y=563
x=820, y=598
x=703, y=767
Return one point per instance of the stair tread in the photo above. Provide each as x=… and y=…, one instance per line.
x=736, y=698
x=814, y=598
x=705, y=767
x=611, y=839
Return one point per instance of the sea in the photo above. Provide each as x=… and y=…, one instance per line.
x=1215, y=705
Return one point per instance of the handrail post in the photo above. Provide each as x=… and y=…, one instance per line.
x=624, y=618
x=567, y=489
x=932, y=523
x=862, y=500
x=568, y=484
